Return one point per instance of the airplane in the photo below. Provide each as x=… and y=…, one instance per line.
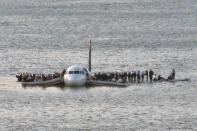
x=77, y=75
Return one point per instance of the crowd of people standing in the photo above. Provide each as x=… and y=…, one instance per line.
x=31, y=77
x=132, y=76
x=129, y=76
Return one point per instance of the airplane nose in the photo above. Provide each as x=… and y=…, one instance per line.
x=74, y=81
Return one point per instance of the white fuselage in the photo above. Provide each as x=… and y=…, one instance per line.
x=75, y=76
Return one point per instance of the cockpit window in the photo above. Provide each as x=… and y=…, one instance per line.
x=71, y=72
x=76, y=72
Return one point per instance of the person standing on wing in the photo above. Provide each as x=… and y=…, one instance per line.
x=151, y=73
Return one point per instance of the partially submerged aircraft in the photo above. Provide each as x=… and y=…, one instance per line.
x=76, y=75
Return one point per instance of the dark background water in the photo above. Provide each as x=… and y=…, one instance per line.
x=47, y=36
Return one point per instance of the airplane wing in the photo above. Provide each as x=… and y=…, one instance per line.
x=106, y=83
x=57, y=81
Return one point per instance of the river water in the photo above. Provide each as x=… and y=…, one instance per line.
x=49, y=35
